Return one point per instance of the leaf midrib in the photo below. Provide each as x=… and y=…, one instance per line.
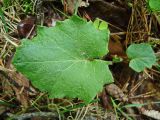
x=61, y=61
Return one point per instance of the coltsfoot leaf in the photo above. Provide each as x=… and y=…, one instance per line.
x=142, y=56
x=64, y=60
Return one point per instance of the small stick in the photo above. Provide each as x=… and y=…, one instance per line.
x=31, y=115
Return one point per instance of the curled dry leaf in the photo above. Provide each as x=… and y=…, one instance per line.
x=26, y=28
x=21, y=94
x=17, y=83
x=116, y=92
x=116, y=48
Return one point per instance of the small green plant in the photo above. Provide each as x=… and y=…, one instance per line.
x=66, y=60
x=100, y=24
x=154, y=5
x=141, y=55
x=27, y=6
x=6, y=3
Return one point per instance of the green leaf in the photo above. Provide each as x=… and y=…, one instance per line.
x=103, y=25
x=142, y=56
x=154, y=5
x=64, y=60
x=96, y=23
x=100, y=24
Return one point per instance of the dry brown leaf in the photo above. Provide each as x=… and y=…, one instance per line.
x=26, y=28
x=19, y=84
x=115, y=47
x=116, y=92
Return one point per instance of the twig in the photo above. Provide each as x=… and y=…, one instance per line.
x=109, y=5
x=152, y=113
x=31, y=31
x=31, y=115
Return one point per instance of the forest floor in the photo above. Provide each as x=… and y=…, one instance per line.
x=133, y=96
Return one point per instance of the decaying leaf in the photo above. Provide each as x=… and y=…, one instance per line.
x=26, y=28
x=16, y=84
x=116, y=92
